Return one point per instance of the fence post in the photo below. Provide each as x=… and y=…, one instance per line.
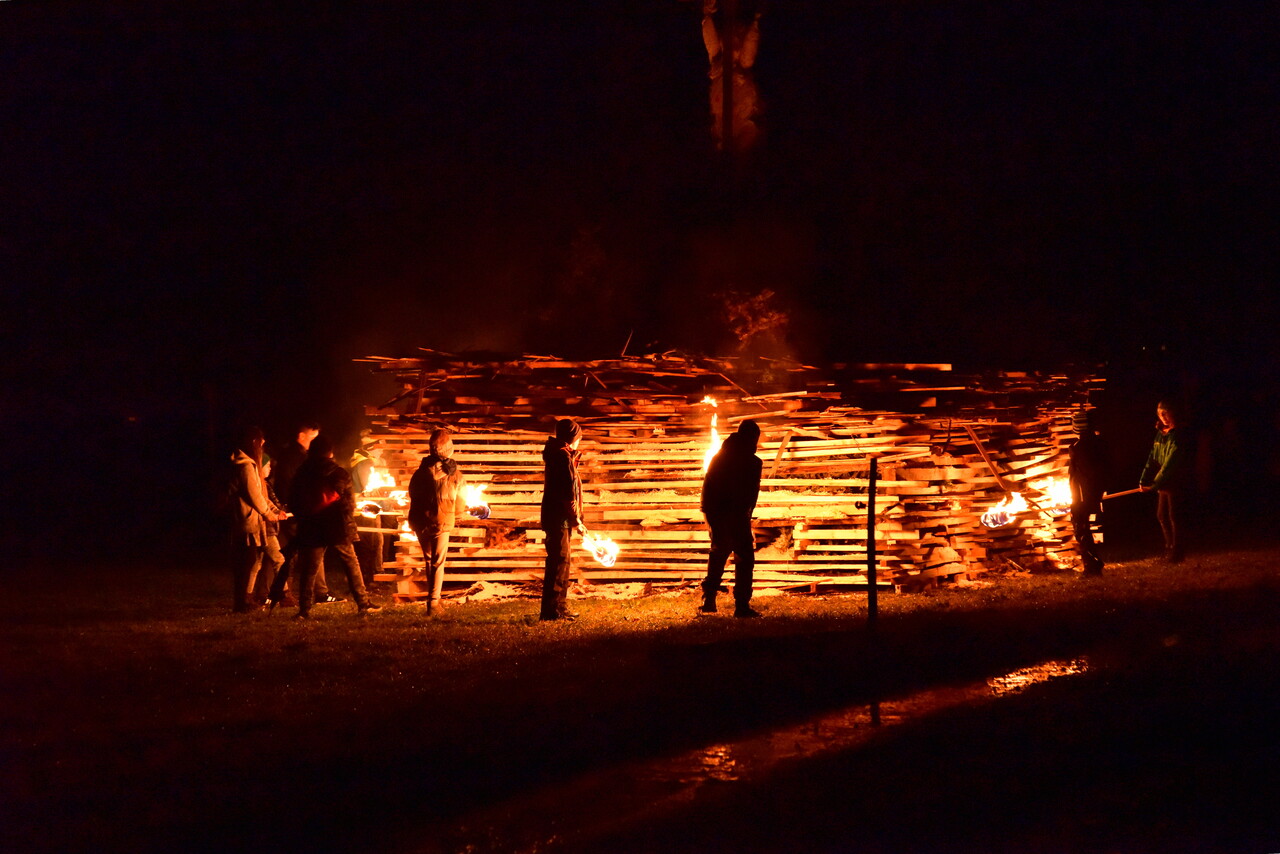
x=872, y=604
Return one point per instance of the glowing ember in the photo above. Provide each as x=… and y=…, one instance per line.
x=603, y=549
x=1057, y=493
x=473, y=496
x=369, y=510
x=714, y=441
x=379, y=479
x=1005, y=512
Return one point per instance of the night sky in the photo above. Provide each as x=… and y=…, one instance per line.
x=210, y=208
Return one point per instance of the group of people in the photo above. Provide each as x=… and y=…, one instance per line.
x=272, y=537
x=1166, y=472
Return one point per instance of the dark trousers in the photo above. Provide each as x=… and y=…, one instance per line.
x=1082, y=528
x=311, y=561
x=289, y=550
x=731, y=536
x=1169, y=506
x=555, y=581
x=369, y=551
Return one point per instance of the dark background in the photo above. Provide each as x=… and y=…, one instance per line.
x=208, y=209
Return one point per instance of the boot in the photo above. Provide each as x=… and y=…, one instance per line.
x=708, y=604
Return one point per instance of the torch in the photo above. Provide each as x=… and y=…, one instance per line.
x=473, y=496
x=603, y=549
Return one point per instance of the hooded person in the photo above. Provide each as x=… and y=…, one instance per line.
x=325, y=505
x=729, y=493
x=1085, y=471
x=433, y=508
x=561, y=515
x=252, y=512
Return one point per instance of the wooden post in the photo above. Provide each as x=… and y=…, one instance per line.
x=872, y=604
x=727, y=53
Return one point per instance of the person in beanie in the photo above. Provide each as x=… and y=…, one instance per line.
x=1085, y=472
x=561, y=516
x=433, y=505
x=729, y=493
x=1166, y=473
x=324, y=505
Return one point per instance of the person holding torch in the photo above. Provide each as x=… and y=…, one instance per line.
x=561, y=516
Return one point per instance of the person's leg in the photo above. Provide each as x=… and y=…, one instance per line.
x=721, y=548
x=308, y=560
x=439, y=551
x=1082, y=529
x=744, y=565
x=1164, y=515
x=555, y=580
x=1174, y=506
x=346, y=554
x=245, y=560
x=272, y=560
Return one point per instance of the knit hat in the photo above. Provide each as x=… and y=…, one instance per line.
x=567, y=431
x=1082, y=421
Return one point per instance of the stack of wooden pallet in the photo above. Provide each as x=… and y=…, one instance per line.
x=948, y=446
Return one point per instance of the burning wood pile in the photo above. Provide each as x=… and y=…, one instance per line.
x=972, y=468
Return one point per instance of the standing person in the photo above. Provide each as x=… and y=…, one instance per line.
x=250, y=510
x=1085, y=471
x=272, y=559
x=729, y=493
x=324, y=505
x=1166, y=472
x=286, y=464
x=561, y=516
x=370, y=545
x=433, y=506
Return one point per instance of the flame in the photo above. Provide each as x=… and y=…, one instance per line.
x=369, y=510
x=713, y=441
x=378, y=479
x=400, y=497
x=1057, y=491
x=1004, y=512
x=603, y=549
x=406, y=533
x=473, y=497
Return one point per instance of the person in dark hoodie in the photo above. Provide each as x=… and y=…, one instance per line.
x=1166, y=472
x=1085, y=471
x=729, y=493
x=433, y=506
x=561, y=516
x=324, y=504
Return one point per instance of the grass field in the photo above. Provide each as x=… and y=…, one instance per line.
x=141, y=715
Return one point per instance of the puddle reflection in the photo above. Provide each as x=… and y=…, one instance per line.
x=629, y=793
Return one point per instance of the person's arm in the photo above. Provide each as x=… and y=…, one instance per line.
x=254, y=493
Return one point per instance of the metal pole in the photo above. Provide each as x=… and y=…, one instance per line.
x=872, y=604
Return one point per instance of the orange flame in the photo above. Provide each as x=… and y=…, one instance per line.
x=1057, y=492
x=473, y=497
x=603, y=549
x=714, y=441
x=406, y=533
x=1004, y=512
x=378, y=479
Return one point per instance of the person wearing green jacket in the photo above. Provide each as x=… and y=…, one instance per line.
x=1166, y=472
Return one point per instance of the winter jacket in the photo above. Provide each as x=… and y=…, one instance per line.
x=1086, y=469
x=732, y=484
x=317, y=481
x=561, y=490
x=1167, y=463
x=251, y=508
x=433, y=494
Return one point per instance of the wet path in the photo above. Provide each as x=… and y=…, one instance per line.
x=603, y=802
